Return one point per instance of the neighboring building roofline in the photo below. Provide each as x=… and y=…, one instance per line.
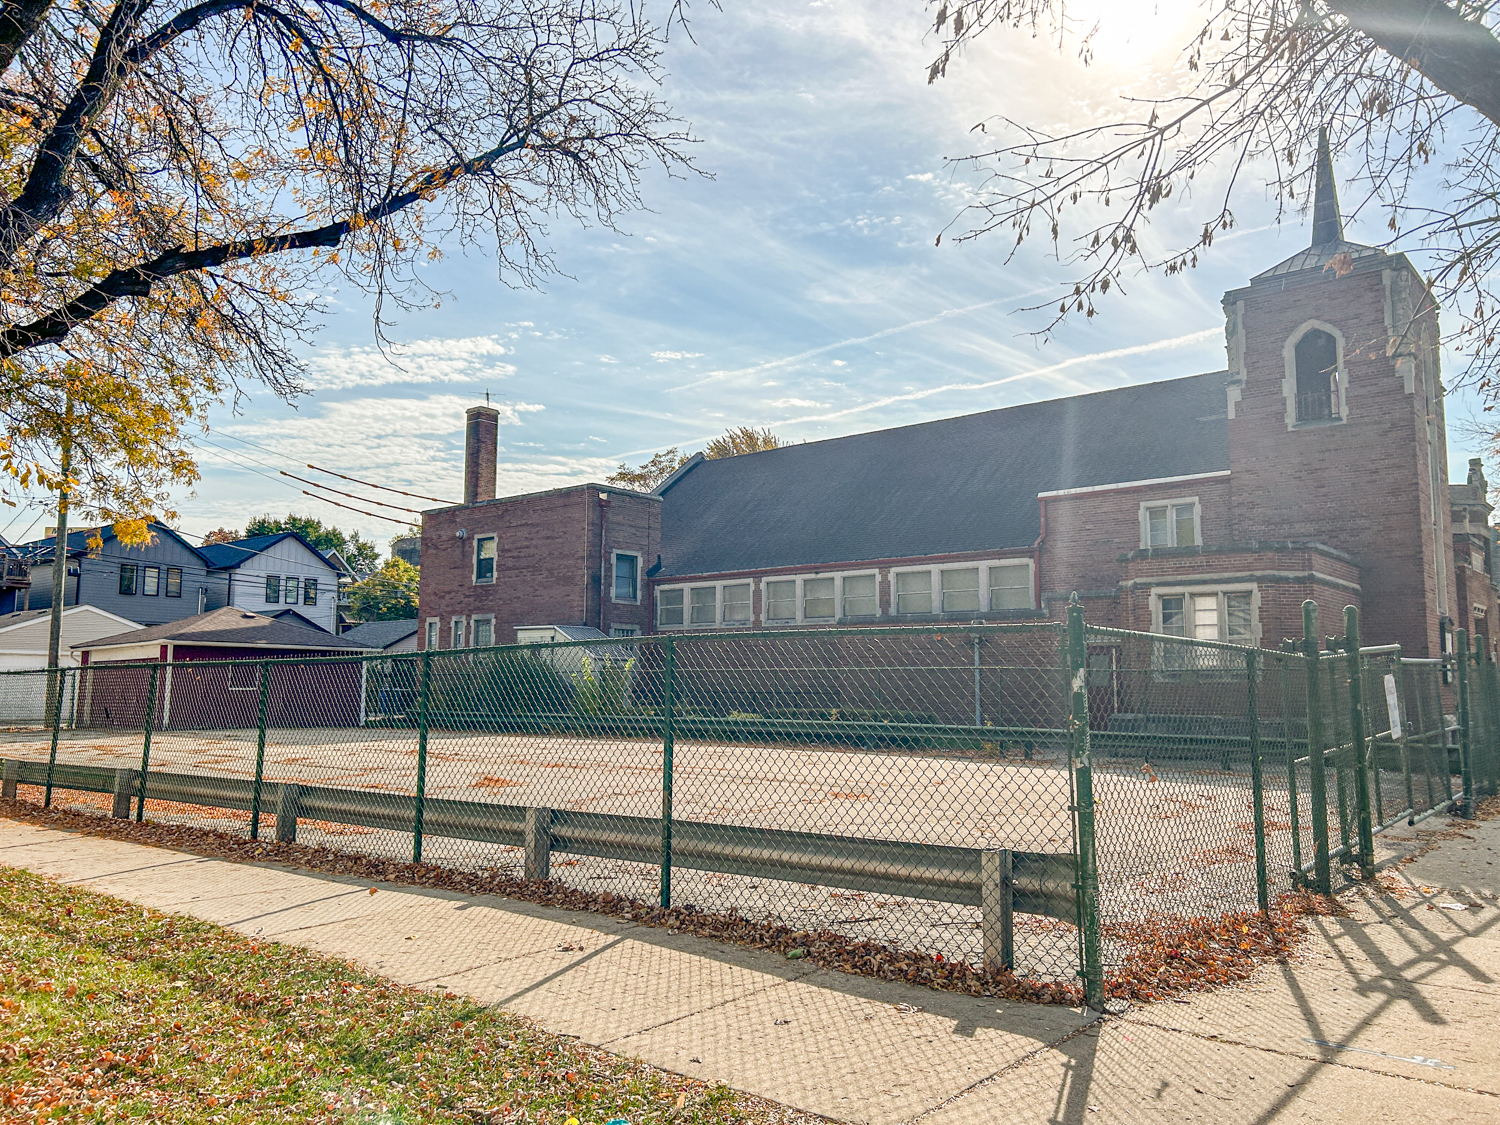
x=681, y=471
x=1129, y=484
x=586, y=486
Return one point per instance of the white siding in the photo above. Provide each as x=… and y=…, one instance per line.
x=287, y=559
x=24, y=645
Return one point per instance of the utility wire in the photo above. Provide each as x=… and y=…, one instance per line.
x=382, y=487
x=372, y=515
x=361, y=499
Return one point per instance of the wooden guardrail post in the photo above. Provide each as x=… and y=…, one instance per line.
x=286, y=812
x=124, y=791
x=538, y=845
x=997, y=909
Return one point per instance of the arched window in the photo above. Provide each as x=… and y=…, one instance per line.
x=1317, y=359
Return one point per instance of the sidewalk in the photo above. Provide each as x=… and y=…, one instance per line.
x=1387, y=1012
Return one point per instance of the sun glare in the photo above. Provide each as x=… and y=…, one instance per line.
x=1135, y=33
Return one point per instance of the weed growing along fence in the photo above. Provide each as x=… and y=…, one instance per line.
x=1031, y=797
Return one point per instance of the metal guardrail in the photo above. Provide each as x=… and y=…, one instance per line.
x=999, y=881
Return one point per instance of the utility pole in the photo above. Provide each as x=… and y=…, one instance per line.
x=60, y=557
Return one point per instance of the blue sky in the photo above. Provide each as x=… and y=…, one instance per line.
x=798, y=288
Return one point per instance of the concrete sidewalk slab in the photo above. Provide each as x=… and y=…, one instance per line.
x=1119, y=1072
x=1390, y=997
x=843, y=1048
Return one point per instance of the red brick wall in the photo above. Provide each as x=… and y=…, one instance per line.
x=1087, y=533
x=1476, y=592
x=547, y=560
x=1362, y=486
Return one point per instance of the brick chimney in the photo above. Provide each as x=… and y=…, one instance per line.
x=480, y=439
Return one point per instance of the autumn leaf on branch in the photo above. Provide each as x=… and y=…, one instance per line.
x=179, y=181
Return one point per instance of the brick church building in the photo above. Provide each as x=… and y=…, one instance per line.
x=1313, y=466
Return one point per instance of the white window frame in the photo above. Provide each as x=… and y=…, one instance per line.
x=1147, y=505
x=983, y=565
x=687, y=604
x=839, y=613
x=434, y=633
x=457, y=632
x=474, y=579
x=475, y=620
x=624, y=630
x=656, y=606
x=1225, y=663
x=614, y=557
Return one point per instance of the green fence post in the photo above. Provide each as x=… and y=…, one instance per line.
x=1465, y=762
x=668, y=737
x=1402, y=743
x=1083, y=769
x=423, y=716
x=1340, y=758
x=1318, y=779
x=1293, y=802
x=1358, y=745
x=260, y=751
x=1252, y=714
x=140, y=806
x=57, y=706
x=1485, y=669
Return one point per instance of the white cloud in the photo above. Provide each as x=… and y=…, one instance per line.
x=608, y=359
x=662, y=357
x=469, y=359
x=803, y=403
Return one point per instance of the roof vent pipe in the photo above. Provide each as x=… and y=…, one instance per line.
x=481, y=436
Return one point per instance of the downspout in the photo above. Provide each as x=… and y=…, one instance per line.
x=1036, y=555
x=603, y=554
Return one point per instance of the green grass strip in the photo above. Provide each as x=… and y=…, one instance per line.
x=109, y=1011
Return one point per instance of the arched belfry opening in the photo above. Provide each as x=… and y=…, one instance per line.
x=1317, y=366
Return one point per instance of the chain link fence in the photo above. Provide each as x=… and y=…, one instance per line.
x=1028, y=797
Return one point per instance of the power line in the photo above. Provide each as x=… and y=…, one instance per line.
x=361, y=499
x=372, y=515
x=382, y=487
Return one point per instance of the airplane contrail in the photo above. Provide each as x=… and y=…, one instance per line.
x=873, y=404
x=771, y=364
x=1092, y=357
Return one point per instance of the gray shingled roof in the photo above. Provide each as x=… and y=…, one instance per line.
x=959, y=484
x=230, y=626
x=380, y=634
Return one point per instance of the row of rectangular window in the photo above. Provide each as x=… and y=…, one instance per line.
x=800, y=600
x=149, y=580
x=291, y=591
